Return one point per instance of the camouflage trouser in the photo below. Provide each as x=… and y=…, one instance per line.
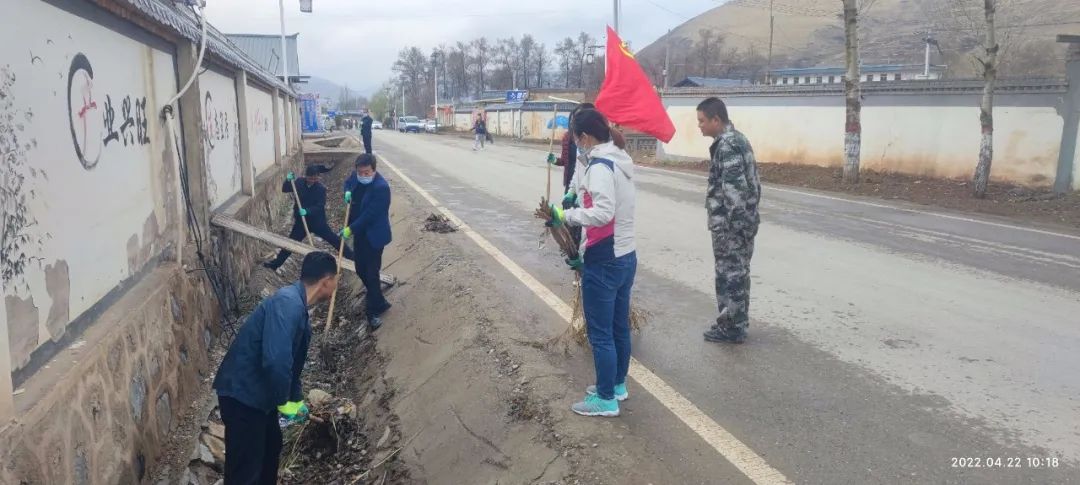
x=733, y=252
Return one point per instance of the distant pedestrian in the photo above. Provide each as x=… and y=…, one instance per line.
x=312, y=195
x=732, y=203
x=260, y=374
x=365, y=132
x=369, y=226
x=480, y=132
x=608, y=264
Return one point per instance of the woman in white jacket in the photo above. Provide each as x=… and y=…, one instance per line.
x=604, y=189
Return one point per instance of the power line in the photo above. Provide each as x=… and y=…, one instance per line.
x=668, y=10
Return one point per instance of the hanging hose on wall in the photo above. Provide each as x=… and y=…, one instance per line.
x=220, y=283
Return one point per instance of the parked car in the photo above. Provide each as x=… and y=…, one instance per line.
x=376, y=125
x=410, y=124
x=430, y=126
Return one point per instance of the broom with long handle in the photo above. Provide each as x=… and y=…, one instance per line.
x=340, y=252
x=300, y=208
x=551, y=146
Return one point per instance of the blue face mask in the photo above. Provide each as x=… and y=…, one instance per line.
x=365, y=180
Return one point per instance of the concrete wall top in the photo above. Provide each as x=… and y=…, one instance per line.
x=869, y=89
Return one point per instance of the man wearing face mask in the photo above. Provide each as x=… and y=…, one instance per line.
x=369, y=226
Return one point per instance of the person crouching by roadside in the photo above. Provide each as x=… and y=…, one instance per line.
x=606, y=194
x=369, y=225
x=260, y=375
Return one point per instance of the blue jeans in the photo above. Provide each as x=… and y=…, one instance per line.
x=605, y=290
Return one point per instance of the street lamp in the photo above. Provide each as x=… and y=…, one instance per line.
x=305, y=6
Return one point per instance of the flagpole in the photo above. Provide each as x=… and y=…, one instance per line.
x=616, y=16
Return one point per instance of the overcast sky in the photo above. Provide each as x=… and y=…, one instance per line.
x=355, y=42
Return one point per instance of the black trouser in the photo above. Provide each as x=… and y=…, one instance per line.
x=252, y=444
x=367, y=142
x=368, y=263
x=318, y=227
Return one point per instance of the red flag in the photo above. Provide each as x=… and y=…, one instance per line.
x=627, y=97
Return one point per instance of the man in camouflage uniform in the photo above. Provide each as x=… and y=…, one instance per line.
x=732, y=203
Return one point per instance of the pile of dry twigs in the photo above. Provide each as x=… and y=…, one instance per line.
x=570, y=250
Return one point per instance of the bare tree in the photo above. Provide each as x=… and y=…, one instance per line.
x=481, y=50
x=458, y=66
x=707, y=49
x=988, y=62
x=584, y=41
x=540, y=58
x=568, y=59
x=525, y=52
x=980, y=17
x=505, y=58
x=410, y=68
x=852, y=93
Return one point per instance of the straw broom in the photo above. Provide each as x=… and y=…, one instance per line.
x=565, y=241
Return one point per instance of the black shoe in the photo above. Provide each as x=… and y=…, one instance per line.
x=725, y=335
x=374, y=322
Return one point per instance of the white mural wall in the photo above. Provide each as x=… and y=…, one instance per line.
x=260, y=105
x=221, y=136
x=87, y=189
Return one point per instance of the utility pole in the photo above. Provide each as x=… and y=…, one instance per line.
x=772, y=22
x=667, y=58
x=435, y=61
x=926, y=63
x=284, y=51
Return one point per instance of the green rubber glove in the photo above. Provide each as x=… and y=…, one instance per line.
x=290, y=176
x=575, y=264
x=348, y=196
x=303, y=212
x=551, y=158
x=346, y=233
x=570, y=198
x=296, y=411
x=557, y=216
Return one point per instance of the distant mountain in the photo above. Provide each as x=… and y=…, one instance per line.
x=810, y=33
x=328, y=89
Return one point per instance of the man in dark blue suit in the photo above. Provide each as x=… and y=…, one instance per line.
x=369, y=225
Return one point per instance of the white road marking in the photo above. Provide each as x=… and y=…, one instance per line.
x=746, y=460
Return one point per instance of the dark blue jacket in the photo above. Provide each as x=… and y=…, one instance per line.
x=262, y=367
x=370, y=211
x=365, y=125
x=313, y=198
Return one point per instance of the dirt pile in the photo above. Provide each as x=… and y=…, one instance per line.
x=439, y=224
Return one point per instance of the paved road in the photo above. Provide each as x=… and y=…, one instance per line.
x=886, y=339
